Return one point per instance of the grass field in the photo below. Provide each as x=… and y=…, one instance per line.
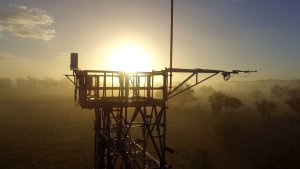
x=52, y=134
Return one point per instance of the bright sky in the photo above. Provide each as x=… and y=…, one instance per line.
x=37, y=36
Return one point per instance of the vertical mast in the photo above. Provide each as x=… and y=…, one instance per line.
x=171, y=45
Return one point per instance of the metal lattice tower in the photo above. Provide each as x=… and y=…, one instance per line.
x=130, y=116
x=130, y=112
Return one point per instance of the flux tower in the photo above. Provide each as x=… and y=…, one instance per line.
x=131, y=110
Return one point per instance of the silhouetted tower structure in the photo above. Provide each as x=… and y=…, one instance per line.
x=129, y=119
x=131, y=111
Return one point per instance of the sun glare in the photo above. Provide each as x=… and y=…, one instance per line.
x=129, y=58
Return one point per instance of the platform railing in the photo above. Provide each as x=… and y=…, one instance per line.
x=113, y=86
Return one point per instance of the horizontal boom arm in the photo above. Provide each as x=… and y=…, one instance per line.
x=194, y=72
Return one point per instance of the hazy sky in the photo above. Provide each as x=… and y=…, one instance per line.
x=37, y=36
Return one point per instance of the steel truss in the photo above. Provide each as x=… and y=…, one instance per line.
x=123, y=136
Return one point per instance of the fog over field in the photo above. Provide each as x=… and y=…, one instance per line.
x=247, y=124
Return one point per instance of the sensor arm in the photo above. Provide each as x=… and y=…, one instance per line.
x=194, y=73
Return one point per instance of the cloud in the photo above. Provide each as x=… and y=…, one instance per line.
x=27, y=23
x=19, y=6
x=9, y=56
x=31, y=32
x=1, y=28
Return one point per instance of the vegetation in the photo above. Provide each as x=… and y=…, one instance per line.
x=222, y=102
x=265, y=107
x=42, y=128
x=294, y=104
x=217, y=101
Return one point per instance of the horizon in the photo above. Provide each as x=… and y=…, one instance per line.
x=214, y=81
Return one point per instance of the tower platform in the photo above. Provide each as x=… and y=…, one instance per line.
x=100, y=89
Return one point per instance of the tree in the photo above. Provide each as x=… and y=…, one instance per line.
x=224, y=105
x=220, y=102
x=188, y=96
x=280, y=91
x=293, y=93
x=216, y=100
x=232, y=103
x=294, y=104
x=256, y=94
x=265, y=107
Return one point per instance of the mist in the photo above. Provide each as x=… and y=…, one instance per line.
x=248, y=124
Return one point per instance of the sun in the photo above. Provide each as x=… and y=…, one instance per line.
x=129, y=58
